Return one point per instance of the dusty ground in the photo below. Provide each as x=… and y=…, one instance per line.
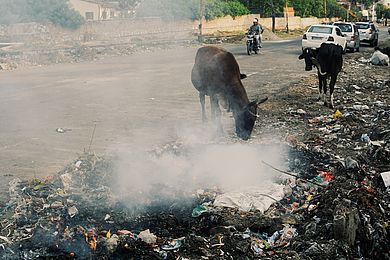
x=145, y=97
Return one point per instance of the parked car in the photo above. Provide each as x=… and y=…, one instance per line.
x=351, y=33
x=368, y=33
x=319, y=33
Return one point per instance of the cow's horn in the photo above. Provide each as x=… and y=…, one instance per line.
x=317, y=64
x=259, y=101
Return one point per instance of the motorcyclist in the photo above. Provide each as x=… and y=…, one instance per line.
x=256, y=30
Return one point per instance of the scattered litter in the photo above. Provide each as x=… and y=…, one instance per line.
x=72, y=211
x=199, y=210
x=301, y=112
x=386, y=178
x=147, y=237
x=63, y=130
x=174, y=244
x=254, y=198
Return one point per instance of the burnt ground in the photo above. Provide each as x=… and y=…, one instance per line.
x=347, y=218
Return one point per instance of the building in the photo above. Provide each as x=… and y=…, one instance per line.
x=385, y=3
x=95, y=10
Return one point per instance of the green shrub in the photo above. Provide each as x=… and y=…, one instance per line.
x=218, y=8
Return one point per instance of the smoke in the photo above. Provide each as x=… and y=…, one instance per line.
x=168, y=9
x=175, y=171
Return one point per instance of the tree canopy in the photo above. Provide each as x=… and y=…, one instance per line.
x=56, y=11
x=303, y=8
x=181, y=9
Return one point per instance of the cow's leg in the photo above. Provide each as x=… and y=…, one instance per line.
x=325, y=87
x=216, y=112
x=331, y=88
x=319, y=86
x=202, y=99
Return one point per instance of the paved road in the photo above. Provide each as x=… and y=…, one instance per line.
x=145, y=98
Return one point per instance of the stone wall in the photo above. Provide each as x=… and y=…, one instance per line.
x=131, y=30
x=230, y=24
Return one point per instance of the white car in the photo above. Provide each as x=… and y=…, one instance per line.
x=320, y=33
x=351, y=34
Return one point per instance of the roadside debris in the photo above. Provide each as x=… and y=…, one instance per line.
x=62, y=130
x=377, y=58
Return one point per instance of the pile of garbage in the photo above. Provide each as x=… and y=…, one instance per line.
x=351, y=218
x=329, y=209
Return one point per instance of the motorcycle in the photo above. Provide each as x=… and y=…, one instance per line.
x=250, y=44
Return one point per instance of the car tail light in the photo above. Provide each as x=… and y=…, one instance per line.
x=369, y=31
x=331, y=39
x=304, y=37
x=352, y=37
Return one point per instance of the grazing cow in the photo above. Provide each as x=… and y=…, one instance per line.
x=329, y=60
x=216, y=74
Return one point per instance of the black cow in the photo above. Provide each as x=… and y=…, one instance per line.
x=216, y=74
x=329, y=61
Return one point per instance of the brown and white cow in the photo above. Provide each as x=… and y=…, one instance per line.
x=216, y=74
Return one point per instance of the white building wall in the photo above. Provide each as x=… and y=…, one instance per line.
x=83, y=7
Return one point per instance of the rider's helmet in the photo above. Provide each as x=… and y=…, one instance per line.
x=255, y=21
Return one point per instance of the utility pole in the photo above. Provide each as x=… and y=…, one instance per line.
x=286, y=17
x=325, y=8
x=201, y=14
x=273, y=15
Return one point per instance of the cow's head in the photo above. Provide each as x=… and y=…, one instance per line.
x=311, y=60
x=308, y=55
x=246, y=119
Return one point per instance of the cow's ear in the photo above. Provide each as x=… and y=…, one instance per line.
x=301, y=56
x=243, y=76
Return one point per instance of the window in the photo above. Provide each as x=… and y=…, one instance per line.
x=344, y=27
x=88, y=15
x=112, y=14
x=362, y=25
x=104, y=15
x=320, y=29
x=338, y=32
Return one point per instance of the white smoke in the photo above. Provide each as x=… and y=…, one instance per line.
x=185, y=166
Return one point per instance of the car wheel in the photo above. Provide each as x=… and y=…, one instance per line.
x=376, y=42
x=345, y=49
x=372, y=43
x=358, y=49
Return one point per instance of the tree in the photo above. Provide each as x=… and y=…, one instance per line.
x=303, y=8
x=57, y=12
x=189, y=9
x=382, y=11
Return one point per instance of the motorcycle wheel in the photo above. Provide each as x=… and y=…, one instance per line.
x=248, y=49
x=256, y=51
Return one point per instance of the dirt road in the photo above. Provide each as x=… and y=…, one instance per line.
x=144, y=98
